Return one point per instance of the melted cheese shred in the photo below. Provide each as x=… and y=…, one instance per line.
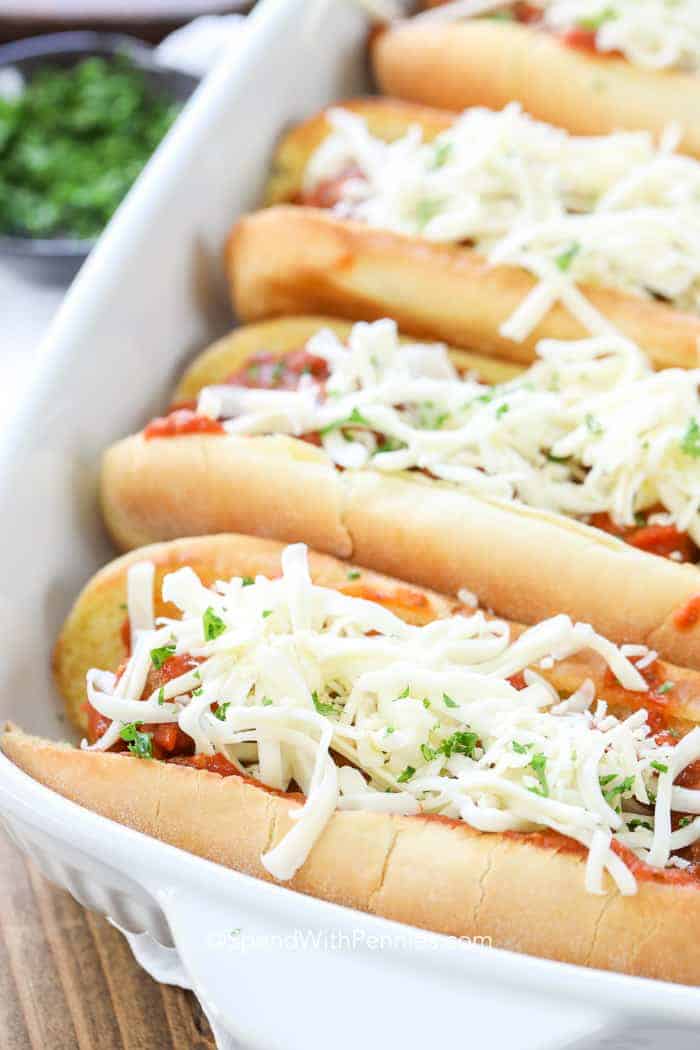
x=614, y=211
x=426, y=716
x=588, y=428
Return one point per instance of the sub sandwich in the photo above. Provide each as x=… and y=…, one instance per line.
x=488, y=230
x=572, y=486
x=305, y=721
x=591, y=66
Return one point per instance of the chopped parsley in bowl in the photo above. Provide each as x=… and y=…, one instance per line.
x=80, y=115
x=73, y=142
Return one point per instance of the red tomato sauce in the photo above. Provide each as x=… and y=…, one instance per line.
x=268, y=371
x=663, y=540
x=181, y=421
x=167, y=737
x=688, y=615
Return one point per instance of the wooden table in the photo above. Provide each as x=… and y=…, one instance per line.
x=69, y=982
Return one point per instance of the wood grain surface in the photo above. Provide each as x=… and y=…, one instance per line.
x=69, y=982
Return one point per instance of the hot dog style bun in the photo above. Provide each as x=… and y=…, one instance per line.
x=524, y=891
x=433, y=288
x=522, y=562
x=488, y=63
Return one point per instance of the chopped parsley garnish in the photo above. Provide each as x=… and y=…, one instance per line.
x=389, y=730
x=665, y=688
x=161, y=654
x=221, y=710
x=389, y=445
x=139, y=743
x=604, y=781
x=594, y=22
x=442, y=154
x=213, y=625
x=321, y=707
x=266, y=702
x=198, y=692
x=402, y=696
x=161, y=695
x=426, y=210
x=637, y=823
x=565, y=258
x=247, y=581
x=426, y=703
x=448, y=701
x=538, y=765
x=660, y=767
x=684, y=822
x=462, y=742
x=502, y=409
x=619, y=789
x=408, y=772
x=354, y=574
x=428, y=753
x=355, y=419
x=266, y=613
x=520, y=749
x=690, y=442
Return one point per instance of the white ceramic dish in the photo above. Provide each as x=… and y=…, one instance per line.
x=298, y=974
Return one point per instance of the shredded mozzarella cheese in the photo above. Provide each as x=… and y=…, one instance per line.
x=589, y=428
x=425, y=715
x=615, y=211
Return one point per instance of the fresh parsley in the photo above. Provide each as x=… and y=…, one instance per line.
x=138, y=742
x=565, y=258
x=221, y=710
x=406, y=775
x=690, y=442
x=321, y=707
x=355, y=419
x=463, y=742
x=539, y=765
x=213, y=625
x=161, y=654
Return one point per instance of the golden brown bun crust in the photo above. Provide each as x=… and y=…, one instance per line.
x=482, y=62
x=217, y=484
x=433, y=874
x=288, y=259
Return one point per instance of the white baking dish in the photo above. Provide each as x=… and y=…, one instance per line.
x=299, y=973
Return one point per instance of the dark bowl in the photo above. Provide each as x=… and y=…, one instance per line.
x=58, y=259
x=147, y=19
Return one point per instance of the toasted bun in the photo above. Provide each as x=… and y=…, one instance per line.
x=522, y=893
x=488, y=63
x=287, y=260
